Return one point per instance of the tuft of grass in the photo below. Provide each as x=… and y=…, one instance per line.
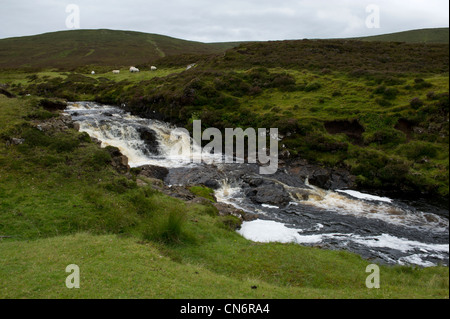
x=204, y=192
x=168, y=228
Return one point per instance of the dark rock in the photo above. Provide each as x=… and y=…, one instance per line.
x=320, y=177
x=230, y=210
x=253, y=181
x=119, y=161
x=272, y=194
x=151, y=171
x=53, y=104
x=17, y=141
x=326, y=178
x=150, y=139
x=208, y=176
x=179, y=192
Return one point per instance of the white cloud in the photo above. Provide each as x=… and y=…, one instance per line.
x=226, y=20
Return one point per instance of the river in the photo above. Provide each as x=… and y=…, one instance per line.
x=378, y=228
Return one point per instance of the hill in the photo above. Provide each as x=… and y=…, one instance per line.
x=77, y=48
x=437, y=35
x=71, y=49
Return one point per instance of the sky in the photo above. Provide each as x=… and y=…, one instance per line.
x=225, y=20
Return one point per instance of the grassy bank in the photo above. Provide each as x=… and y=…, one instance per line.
x=61, y=203
x=113, y=267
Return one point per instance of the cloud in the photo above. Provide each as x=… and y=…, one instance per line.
x=226, y=20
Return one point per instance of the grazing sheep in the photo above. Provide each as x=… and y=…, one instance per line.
x=93, y=72
x=134, y=70
x=116, y=71
x=153, y=68
x=190, y=66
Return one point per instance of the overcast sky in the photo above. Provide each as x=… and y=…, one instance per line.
x=225, y=20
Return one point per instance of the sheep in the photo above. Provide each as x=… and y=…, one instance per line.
x=93, y=72
x=134, y=70
x=153, y=68
x=190, y=66
x=116, y=71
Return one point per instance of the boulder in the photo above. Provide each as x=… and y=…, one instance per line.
x=269, y=193
x=326, y=178
x=17, y=141
x=230, y=210
x=119, y=161
x=150, y=139
x=151, y=171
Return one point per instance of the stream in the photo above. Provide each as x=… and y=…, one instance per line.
x=290, y=210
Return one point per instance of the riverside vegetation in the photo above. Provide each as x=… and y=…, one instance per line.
x=378, y=110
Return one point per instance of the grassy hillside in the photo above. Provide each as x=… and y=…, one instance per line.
x=62, y=202
x=437, y=35
x=395, y=94
x=71, y=49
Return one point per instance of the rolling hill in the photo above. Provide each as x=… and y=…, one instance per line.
x=77, y=48
x=438, y=35
x=71, y=49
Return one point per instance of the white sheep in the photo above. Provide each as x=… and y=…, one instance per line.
x=153, y=68
x=134, y=70
x=116, y=71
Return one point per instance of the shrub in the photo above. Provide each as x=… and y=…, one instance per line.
x=166, y=228
x=416, y=103
x=390, y=93
x=380, y=89
x=443, y=102
x=422, y=84
x=313, y=86
x=33, y=137
x=383, y=102
x=385, y=137
x=418, y=150
x=394, y=173
x=231, y=223
x=84, y=137
x=122, y=185
x=390, y=80
x=41, y=115
x=431, y=96
x=100, y=158
x=326, y=144
x=64, y=144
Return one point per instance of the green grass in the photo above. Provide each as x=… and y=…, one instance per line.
x=62, y=203
x=204, y=192
x=113, y=267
